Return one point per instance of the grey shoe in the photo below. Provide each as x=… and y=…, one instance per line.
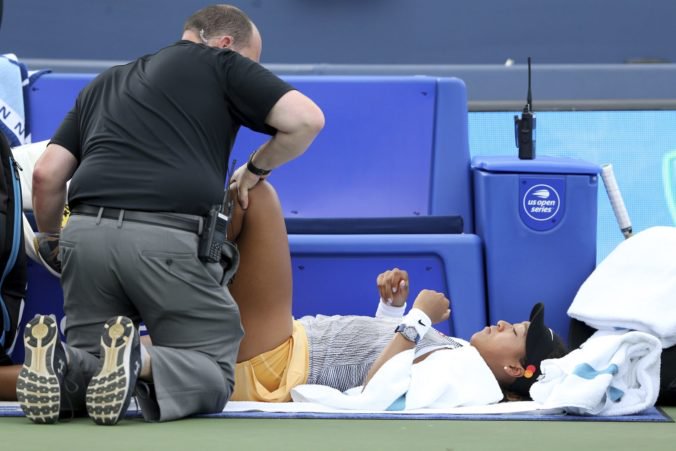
x=111, y=389
x=38, y=388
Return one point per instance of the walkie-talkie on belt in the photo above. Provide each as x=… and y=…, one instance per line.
x=524, y=128
x=215, y=230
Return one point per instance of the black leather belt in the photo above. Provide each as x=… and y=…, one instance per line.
x=174, y=221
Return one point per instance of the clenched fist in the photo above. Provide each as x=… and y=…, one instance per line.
x=435, y=305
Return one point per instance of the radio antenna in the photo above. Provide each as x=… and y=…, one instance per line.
x=524, y=127
x=529, y=98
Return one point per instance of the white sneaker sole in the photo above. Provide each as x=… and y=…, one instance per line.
x=38, y=389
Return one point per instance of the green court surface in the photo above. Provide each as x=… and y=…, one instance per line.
x=373, y=435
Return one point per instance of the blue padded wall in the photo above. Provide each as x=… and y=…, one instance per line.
x=52, y=96
x=372, y=159
x=393, y=146
x=336, y=274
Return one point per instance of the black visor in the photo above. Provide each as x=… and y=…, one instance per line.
x=541, y=342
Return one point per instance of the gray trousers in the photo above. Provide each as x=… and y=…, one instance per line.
x=150, y=274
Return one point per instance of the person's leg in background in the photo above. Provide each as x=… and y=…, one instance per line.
x=8, y=375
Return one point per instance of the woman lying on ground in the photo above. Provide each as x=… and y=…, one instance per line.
x=278, y=353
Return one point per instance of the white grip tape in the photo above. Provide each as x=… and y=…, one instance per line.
x=418, y=319
x=615, y=197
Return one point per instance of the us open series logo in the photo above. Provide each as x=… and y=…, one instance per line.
x=541, y=202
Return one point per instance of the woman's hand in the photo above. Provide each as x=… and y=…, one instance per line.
x=393, y=287
x=435, y=305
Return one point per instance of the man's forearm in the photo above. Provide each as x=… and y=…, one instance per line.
x=51, y=174
x=284, y=147
x=48, y=208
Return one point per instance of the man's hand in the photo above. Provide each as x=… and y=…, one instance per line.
x=393, y=287
x=46, y=247
x=434, y=304
x=242, y=181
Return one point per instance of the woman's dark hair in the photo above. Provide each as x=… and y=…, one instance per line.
x=559, y=349
x=542, y=343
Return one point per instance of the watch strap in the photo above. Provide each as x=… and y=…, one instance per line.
x=251, y=167
x=408, y=332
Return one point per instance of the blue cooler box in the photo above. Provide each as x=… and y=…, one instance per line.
x=537, y=219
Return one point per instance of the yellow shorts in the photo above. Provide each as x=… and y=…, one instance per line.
x=269, y=377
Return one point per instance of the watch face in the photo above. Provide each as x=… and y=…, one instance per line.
x=408, y=332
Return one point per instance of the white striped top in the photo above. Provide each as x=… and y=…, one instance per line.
x=343, y=348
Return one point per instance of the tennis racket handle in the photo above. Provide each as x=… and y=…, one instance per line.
x=616, y=200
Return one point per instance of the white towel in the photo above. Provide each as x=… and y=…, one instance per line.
x=386, y=386
x=28, y=239
x=634, y=287
x=446, y=378
x=12, y=111
x=612, y=373
x=26, y=156
x=15, y=83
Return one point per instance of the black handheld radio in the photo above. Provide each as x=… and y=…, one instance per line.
x=524, y=128
x=215, y=230
x=213, y=236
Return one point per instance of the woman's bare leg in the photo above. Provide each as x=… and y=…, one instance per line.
x=262, y=286
x=8, y=377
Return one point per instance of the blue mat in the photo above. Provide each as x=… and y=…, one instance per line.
x=650, y=415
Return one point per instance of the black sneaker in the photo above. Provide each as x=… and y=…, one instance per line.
x=111, y=389
x=38, y=388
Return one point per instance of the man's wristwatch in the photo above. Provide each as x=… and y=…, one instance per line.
x=255, y=170
x=408, y=332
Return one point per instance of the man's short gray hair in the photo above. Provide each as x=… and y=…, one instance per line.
x=220, y=20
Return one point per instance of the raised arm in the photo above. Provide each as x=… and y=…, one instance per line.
x=393, y=290
x=298, y=121
x=430, y=307
x=393, y=287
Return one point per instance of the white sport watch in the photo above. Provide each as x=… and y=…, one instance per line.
x=408, y=332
